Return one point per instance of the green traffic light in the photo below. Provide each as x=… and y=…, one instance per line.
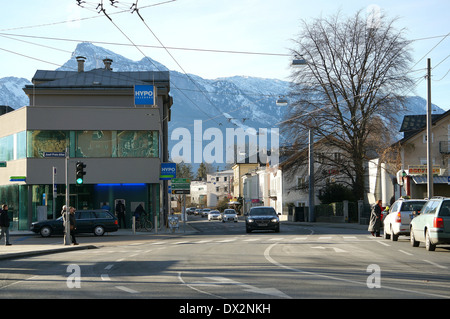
x=79, y=181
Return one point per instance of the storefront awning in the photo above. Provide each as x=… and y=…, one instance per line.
x=436, y=179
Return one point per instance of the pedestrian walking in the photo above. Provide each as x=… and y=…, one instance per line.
x=4, y=224
x=375, y=219
x=120, y=212
x=73, y=225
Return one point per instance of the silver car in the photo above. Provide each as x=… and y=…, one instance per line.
x=397, y=221
x=214, y=214
x=229, y=215
x=432, y=226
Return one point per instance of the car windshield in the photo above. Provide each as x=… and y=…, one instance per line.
x=229, y=212
x=262, y=212
x=412, y=206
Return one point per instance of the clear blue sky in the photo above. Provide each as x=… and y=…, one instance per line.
x=257, y=26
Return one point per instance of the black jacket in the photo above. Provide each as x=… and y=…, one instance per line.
x=4, y=218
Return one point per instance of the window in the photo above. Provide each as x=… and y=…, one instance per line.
x=39, y=142
x=137, y=144
x=95, y=143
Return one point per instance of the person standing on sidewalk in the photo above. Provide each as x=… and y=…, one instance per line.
x=120, y=212
x=4, y=224
x=375, y=219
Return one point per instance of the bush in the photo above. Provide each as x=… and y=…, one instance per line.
x=332, y=193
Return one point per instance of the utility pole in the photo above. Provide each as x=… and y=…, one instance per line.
x=429, y=134
x=67, y=239
x=311, y=176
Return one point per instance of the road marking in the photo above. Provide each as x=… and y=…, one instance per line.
x=434, y=264
x=109, y=266
x=337, y=250
x=405, y=252
x=181, y=242
x=131, y=291
x=226, y=240
x=325, y=238
x=317, y=274
x=203, y=241
x=276, y=239
x=252, y=239
x=105, y=277
x=221, y=281
x=300, y=238
x=382, y=243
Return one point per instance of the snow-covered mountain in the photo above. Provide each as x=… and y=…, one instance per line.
x=222, y=103
x=11, y=92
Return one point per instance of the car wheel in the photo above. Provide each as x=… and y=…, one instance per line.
x=277, y=230
x=414, y=242
x=429, y=246
x=393, y=236
x=46, y=231
x=385, y=234
x=248, y=230
x=99, y=231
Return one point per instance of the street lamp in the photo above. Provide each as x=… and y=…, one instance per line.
x=300, y=61
x=281, y=101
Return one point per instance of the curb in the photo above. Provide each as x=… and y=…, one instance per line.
x=45, y=252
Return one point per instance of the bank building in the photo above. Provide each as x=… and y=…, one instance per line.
x=115, y=123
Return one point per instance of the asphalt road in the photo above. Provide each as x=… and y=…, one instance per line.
x=221, y=262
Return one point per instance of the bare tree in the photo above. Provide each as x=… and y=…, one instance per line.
x=350, y=87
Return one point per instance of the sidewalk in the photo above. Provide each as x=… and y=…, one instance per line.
x=27, y=243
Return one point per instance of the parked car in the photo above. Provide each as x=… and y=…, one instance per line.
x=396, y=223
x=214, y=214
x=228, y=215
x=96, y=221
x=190, y=210
x=432, y=226
x=262, y=218
x=198, y=211
x=205, y=212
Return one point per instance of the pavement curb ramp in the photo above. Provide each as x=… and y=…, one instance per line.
x=22, y=254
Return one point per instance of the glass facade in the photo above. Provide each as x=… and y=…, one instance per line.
x=13, y=146
x=25, y=200
x=96, y=143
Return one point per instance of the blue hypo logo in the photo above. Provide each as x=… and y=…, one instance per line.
x=144, y=95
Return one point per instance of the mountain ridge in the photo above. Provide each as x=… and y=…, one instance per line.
x=225, y=102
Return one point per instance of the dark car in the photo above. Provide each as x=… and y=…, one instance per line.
x=262, y=218
x=96, y=221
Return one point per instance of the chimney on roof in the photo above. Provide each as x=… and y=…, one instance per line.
x=80, y=60
x=107, y=63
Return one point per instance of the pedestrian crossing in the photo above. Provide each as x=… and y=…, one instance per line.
x=263, y=239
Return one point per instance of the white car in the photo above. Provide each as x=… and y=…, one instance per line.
x=229, y=215
x=214, y=214
x=396, y=223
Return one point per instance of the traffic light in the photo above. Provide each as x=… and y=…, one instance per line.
x=80, y=172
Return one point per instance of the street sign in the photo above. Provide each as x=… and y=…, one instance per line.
x=181, y=191
x=181, y=186
x=17, y=178
x=54, y=154
x=3, y=164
